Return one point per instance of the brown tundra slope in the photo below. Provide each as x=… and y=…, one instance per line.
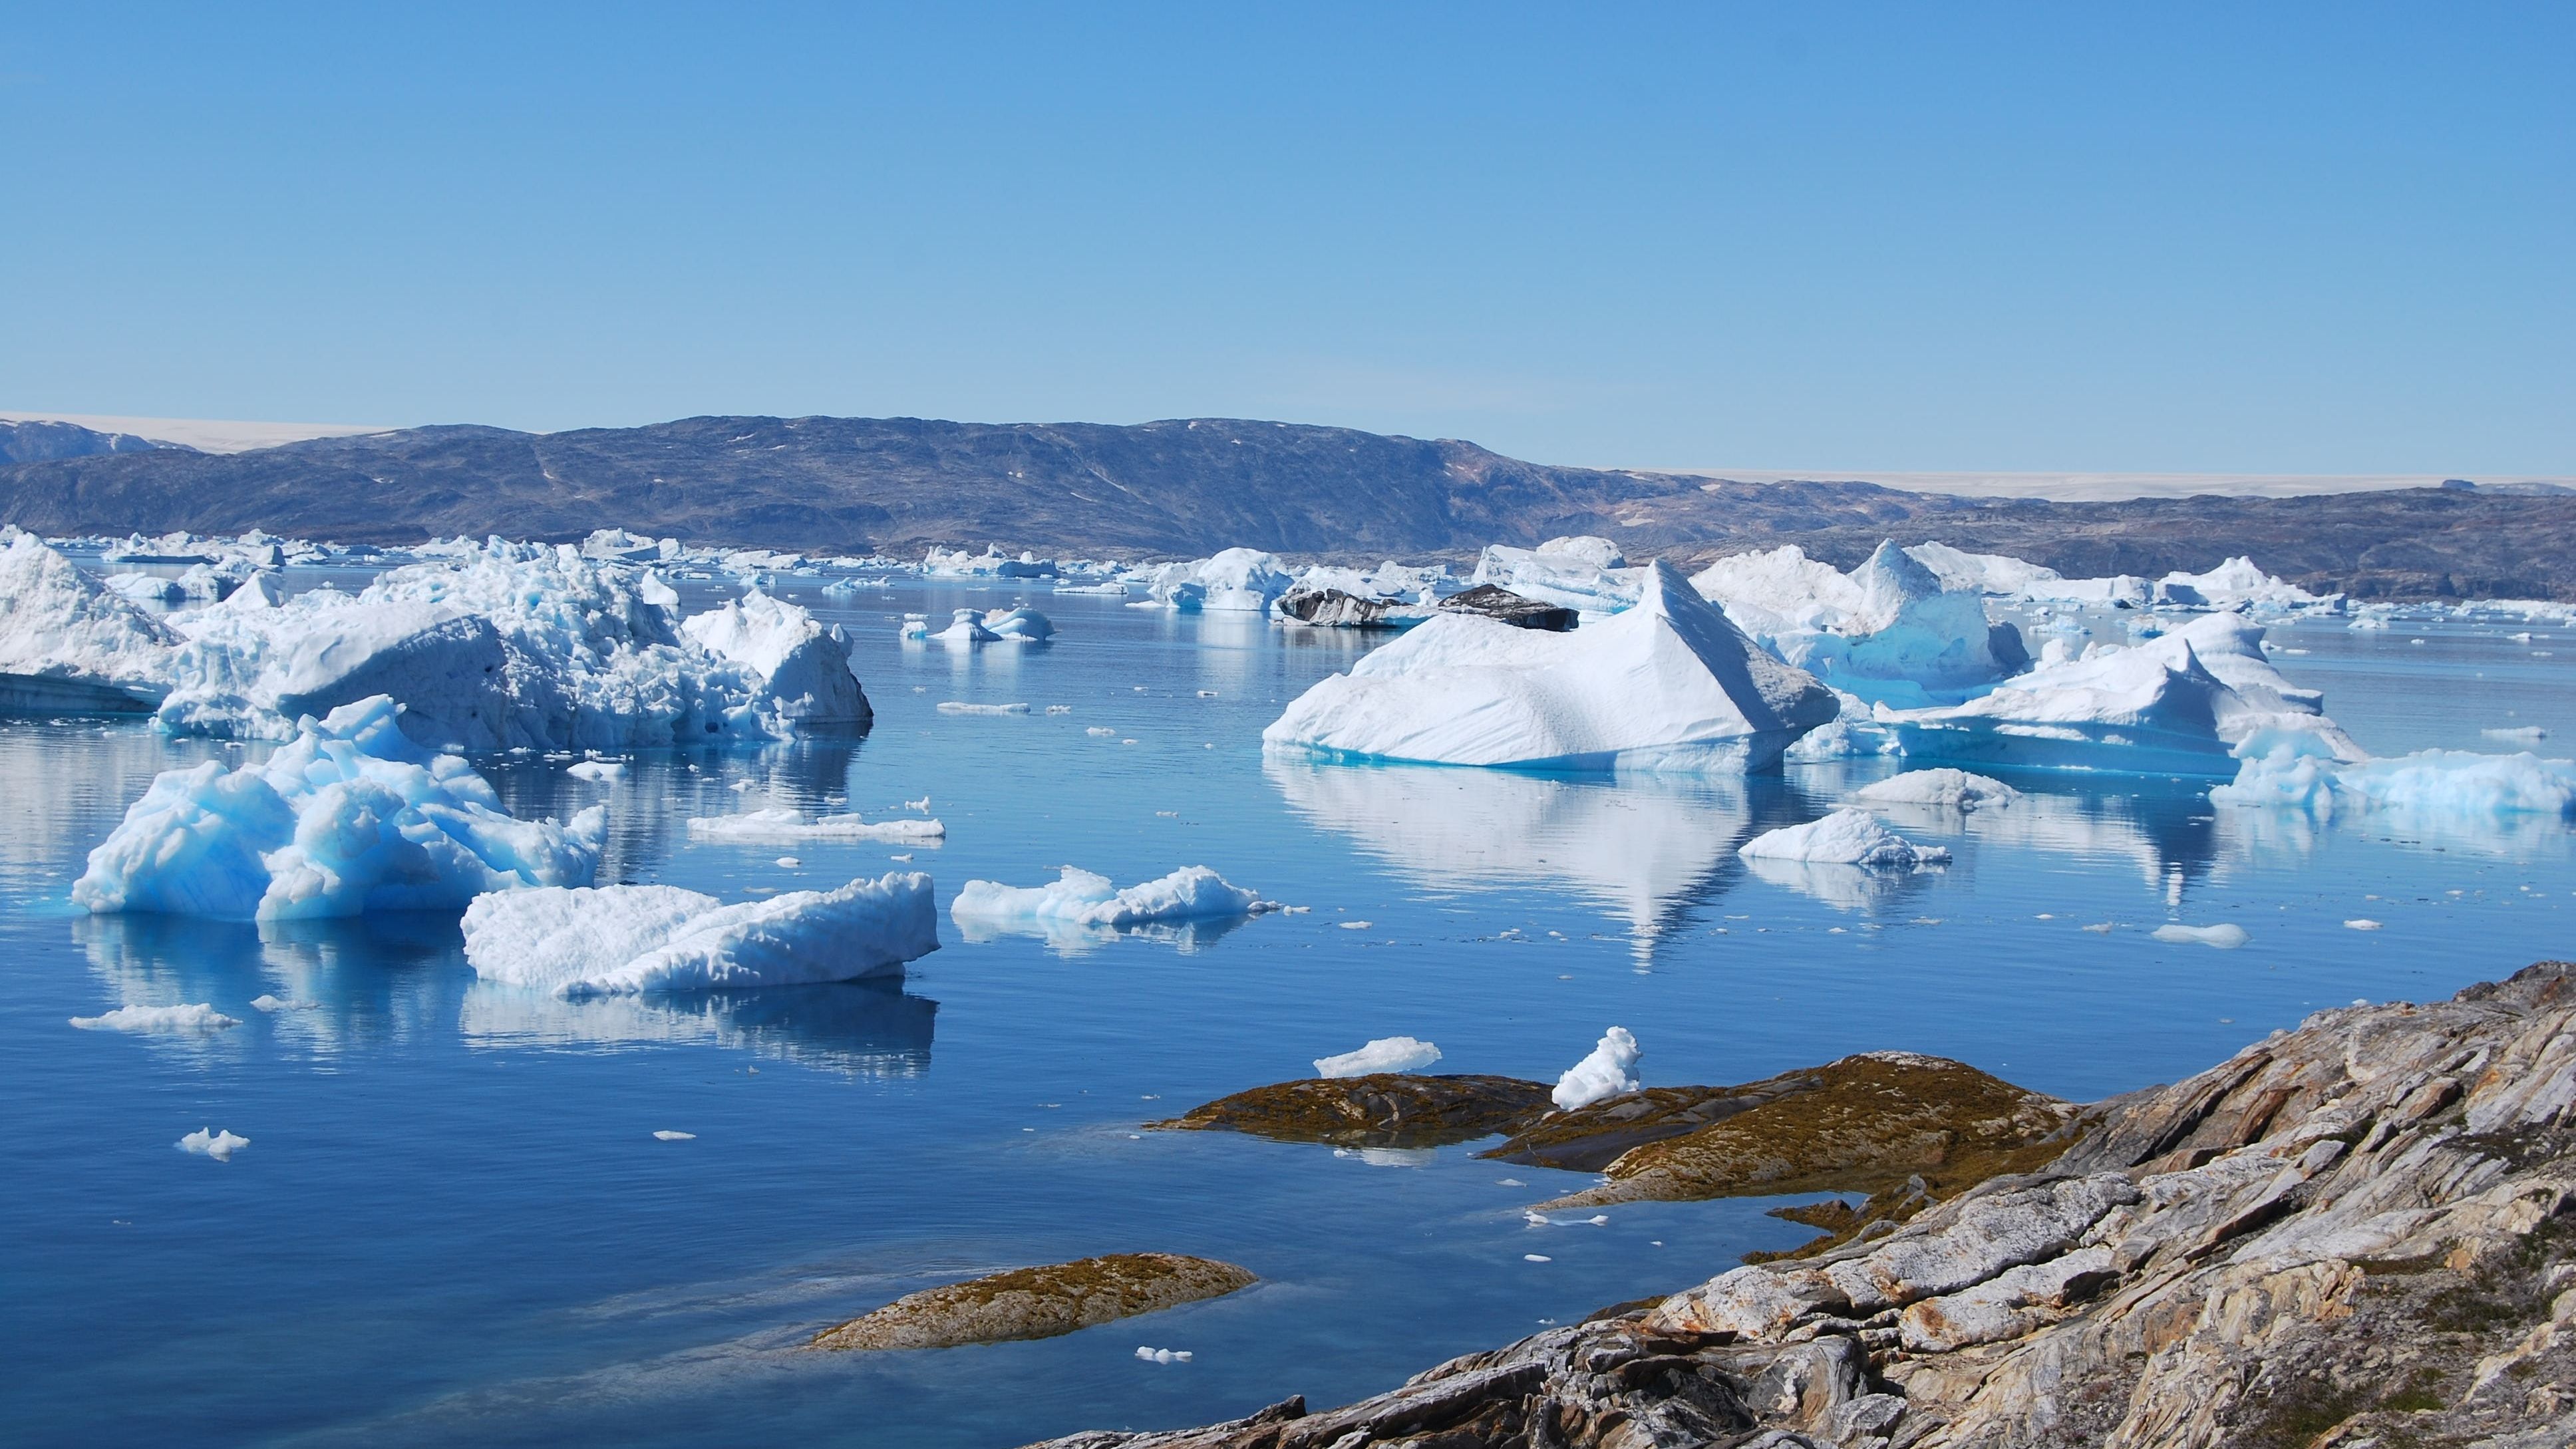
x=2353, y=1234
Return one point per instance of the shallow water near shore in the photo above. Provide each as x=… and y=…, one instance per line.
x=454, y=1225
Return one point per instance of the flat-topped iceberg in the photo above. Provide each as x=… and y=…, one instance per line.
x=992, y=563
x=1667, y=685
x=350, y=817
x=785, y=824
x=802, y=664
x=1846, y=837
x=1083, y=898
x=617, y=940
x=68, y=645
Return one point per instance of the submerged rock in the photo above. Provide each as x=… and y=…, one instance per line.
x=2356, y=1233
x=1382, y=1109
x=1039, y=1302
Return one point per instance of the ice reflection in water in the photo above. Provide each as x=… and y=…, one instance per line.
x=859, y=1028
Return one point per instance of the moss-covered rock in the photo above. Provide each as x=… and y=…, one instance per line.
x=1039, y=1302
x=1384, y=1109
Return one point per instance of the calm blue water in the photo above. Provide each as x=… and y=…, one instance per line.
x=454, y=1226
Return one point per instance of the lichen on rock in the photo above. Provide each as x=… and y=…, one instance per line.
x=1039, y=1302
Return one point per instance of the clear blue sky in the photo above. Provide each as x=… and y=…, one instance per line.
x=2269, y=238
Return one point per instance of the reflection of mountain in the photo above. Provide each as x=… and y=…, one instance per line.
x=1643, y=849
x=865, y=1028
x=1069, y=938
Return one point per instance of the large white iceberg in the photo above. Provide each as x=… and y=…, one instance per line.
x=616, y=940
x=1236, y=580
x=512, y=645
x=1667, y=685
x=2151, y=709
x=350, y=817
x=68, y=645
x=1083, y=898
x=803, y=665
x=1846, y=837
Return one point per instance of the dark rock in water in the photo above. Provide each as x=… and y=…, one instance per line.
x=1589, y=1139
x=1334, y=609
x=1920, y=1127
x=1038, y=1302
x=1493, y=601
x=2361, y=1232
x=1383, y=1109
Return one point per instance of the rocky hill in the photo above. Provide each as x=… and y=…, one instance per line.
x=1188, y=487
x=36, y=440
x=2356, y=1234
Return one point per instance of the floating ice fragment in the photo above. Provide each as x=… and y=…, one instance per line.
x=2226, y=935
x=1081, y=897
x=666, y=1135
x=1059, y=709
x=166, y=1020
x=275, y=1004
x=955, y=706
x=2361, y=923
x=1610, y=1071
x=1943, y=787
x=596, y=770
x=219, y=1144
x=1103, y=731
x=2526, y=734
x=614, y=940
x=1357, y=925
x=784, y=824
x=789, y=861
x=1163, y=1355
x=922, y=804
x=1846, y=837
x=2102, y=928
x=1385, y=1054
x=1509, y=1182
x=1536, y=1258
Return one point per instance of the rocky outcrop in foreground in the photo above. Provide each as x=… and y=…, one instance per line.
x=1038, y=1302
x=2353, y=1234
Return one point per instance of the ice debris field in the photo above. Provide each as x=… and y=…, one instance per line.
x=700, y=945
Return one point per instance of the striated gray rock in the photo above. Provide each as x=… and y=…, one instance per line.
x=1334, y=609
x=1038, y=1302
x=2355, y=1234
x=1493, y=601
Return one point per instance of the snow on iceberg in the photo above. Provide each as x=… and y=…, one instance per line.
x=1846, y=837
x=67, y=644
x=198, y=1018
x=804, y=666
x=1083, y=898
x=1667, y=685
x=1610, y=1071
x=1236, y=580
x=2235, y=582
x=350, y=817
x=620, y=940
x=1943, y=788
x=1385, y=1054
x=1582, y=573
x=783, y=824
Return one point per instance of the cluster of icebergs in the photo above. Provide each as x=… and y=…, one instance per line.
x=503, y=646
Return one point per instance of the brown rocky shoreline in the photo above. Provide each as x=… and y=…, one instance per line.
x=2354, y=1234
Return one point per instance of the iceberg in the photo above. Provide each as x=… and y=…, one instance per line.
x=1941, y=788
x=1019, y=624
x=1385, y=1054
x=803, y=666
x=1610, y=1071
x=1081, y=898
x=1995, y=574
x=1583, y=573
x=508, y=646
x=1846, y=837
x=1667, y=685
x=199, y=1018
x=217, y=1143
x=1890, y=626
x=1237, y=580
x=622, y=940
x=992, y=563
x=2225, y=936
x=782, y=824
x=965, y=626
x=68, y=645
x=350, y=817
x=2149, y=709
x=2233, y=583
x=2299, y=770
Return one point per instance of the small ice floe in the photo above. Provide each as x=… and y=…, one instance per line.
x=596, y=769
x=1538, y=1219
x=1081, y=897
x=1385, y=1054
x=666, y=1135
x=959, y=706
x=1207, y=694
x=2102, y=928
x=1390, y=1156
x=789, y=861
x=1944, y=788
x=2361, y=923
x=214, y=1142
x=168, y=1020
x=1846, y=837
x=1059, y=709
x=1536, y=1258
x=739, y=786
x=784, y=824
x=2523, y=734
x=1357, y=925
x=275, y=1004
x=1163, y=1355
x=621, y=940
x=2226, y=935
x=1610, y=1071
x=1102, y=731
x=922, y=804
x=1509, y=1182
